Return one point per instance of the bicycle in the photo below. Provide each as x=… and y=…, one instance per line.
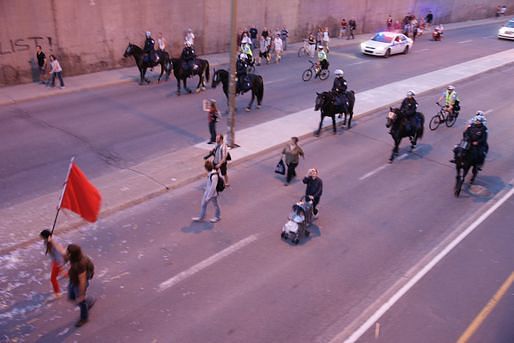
x=305, y=50
x=443, y=116
x=323, y=74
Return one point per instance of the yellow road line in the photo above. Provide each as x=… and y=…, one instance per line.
x=480, y=318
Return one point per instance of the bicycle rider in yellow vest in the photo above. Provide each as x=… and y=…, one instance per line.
x=451, y=100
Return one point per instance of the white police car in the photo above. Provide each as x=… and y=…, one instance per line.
x=387, y=44
x=507, y=30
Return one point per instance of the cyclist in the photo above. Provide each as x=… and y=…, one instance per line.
x=322, y=60
x=451, y=100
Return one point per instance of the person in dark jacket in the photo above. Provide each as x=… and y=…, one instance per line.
x=408, y=108
x=339, y=87
x=314, y=188
x=149, y=48
x=241, y=72
x=79, y=282
x=188, y=57
x=476, y=135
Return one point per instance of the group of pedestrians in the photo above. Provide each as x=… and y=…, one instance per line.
x=48, y=71
x=410, y=25
x=347, y=29
x=266, y=44
x=79, y=273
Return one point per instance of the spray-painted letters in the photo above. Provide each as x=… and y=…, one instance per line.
x=13, y=46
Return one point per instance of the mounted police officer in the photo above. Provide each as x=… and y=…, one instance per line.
x=241, y=71
x=476, y=135
x=188, y=57
x=408, y=108
x=149, y=48
x=339, y=87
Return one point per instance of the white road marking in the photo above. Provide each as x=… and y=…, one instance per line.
x=373, y=172
x=465, y=41
x=421, y=50
x=355, y=63
x=206, y=263
x=431, y=264
x=274, y=81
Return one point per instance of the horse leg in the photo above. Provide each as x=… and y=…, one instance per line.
x=475, y=173
x=334, y=129
x=458, y=183
x=394, y=153
x=319, y=128
x=144, y=76
x=344, y=118
x=198, y=89
x=249, y=107
x=141, y=76
x=185, y=86
x=350, y=116
x=162, y=72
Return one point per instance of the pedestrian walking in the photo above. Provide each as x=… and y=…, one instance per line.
x=344, y=26
x=253, y=36
x=220, y=157
x=277, y=46
x=291, y=155
x=314, y=188
x=352, y=26
x=284, y=34
x=389, y=23
x=213, y=116
x=397, y=26
x=428, y=19
x=319, y=37
x=161, y=42
x=80, y=273
x=325, y=39
x=55, y=70
x=210, y=194
x=57, y=256
x=42, y=64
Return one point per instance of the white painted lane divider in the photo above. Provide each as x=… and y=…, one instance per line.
x=373, y=172
x=422, y=272
x=465, y=41
x=206, y=263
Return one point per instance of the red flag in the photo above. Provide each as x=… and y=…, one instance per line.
x=81, y=196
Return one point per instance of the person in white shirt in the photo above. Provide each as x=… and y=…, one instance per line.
x=190, y=37
x=210, y=194
x=161, y=42
x=55, y=70
x=326, y=39
x=278, y=47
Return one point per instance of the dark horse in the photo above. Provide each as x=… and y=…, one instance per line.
x=182, y=74
x=466, y=156
x=143, y=65
x=400, y=128
x=256, y=86
x=326, y=103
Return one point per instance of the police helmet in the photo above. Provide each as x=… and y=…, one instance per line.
x=148, y=34
x=338, y=73
x=243, y=56
x=451, y=87
x=411, y=93
x=480, y=114
x=320, y=47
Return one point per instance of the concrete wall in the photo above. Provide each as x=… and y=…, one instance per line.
x=91, y=35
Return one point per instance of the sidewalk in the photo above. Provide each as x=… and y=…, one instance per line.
x=127, y=187
x=19, y=93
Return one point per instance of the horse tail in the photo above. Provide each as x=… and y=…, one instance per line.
x=352, y=101
x=260, y=88
x=207, y=68
x=422, y=128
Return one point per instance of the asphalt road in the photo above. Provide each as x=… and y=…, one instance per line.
x=237, y=281
x=118, y=127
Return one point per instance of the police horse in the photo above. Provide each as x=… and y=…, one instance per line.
x=143, y=64
x=252, y=83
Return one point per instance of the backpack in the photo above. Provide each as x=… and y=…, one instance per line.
x=220, y=186
x=90, y=268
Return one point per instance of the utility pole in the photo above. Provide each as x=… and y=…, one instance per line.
x=231, y=139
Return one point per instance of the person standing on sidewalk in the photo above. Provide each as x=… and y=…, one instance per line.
x=161, y=42
x=277, y=46
x=253, y=36
x=314, y=188
x=57, y=255
x=212, y=117
x=55, y=70
x=284, y=34
x=42, y=64
x=352, y=26
x=292, y=152
x=344, y=26
x=389, y=23
x=210, y=194
x=80, y=273
x=325, y=39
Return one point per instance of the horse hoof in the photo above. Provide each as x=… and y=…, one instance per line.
x=247, y=109
x=390, y=161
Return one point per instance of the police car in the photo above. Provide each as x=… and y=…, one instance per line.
x=387, y=44
x=507, y=30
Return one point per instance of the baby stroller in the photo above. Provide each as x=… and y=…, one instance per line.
x=299, y=219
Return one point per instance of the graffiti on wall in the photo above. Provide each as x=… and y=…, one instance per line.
x=13, y=46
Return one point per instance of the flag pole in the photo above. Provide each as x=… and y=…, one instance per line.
x=62, y=193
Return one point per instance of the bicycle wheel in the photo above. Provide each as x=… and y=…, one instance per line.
x=307, y=75
x=324, y=74
x=451, y=120
x=434, y=122
x=302, y=52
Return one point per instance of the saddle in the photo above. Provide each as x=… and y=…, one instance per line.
x=244, y=84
